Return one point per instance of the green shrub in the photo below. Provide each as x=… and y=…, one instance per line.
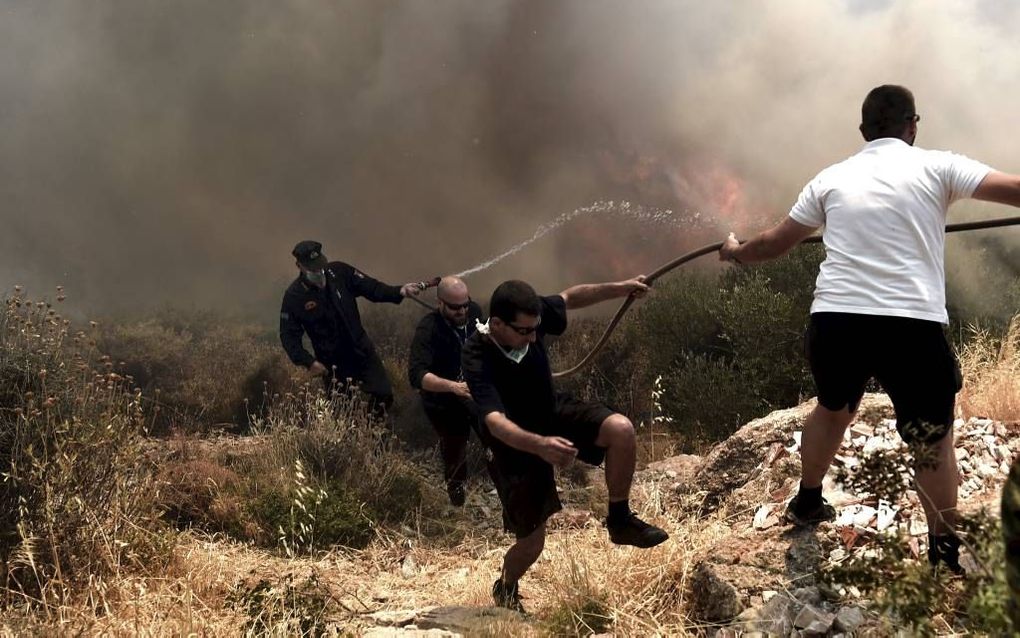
x=706, y=399
x=318, y=518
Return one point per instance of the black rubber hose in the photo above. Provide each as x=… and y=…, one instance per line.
x=712, y=248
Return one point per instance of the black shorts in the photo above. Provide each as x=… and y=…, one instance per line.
x=526, y=484
x=910, y=358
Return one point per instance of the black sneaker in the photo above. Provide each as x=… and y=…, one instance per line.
x=634, y=531
x=457, y=494
x=507, y=596
x=945, y=550
x=820, y=514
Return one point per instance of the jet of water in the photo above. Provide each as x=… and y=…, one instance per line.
x=647, y=215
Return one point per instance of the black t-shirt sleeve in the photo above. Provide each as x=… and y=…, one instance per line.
x=479, y=377
x=421, y=355
x=554, y=315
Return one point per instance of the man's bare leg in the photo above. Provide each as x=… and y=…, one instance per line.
x=822, y=436
x=616, y=435
x=937, y=488
x=523, y=554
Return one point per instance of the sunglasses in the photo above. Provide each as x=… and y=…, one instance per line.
x=524, y=331
x=457, y=306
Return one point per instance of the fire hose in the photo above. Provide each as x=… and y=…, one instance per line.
x=712, y=248
x=422, y=287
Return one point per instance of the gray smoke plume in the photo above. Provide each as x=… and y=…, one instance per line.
x=158, y=151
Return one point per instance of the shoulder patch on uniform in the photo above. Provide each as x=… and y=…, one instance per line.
x=311, y=305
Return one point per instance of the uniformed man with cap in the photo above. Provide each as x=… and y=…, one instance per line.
x=322, y=303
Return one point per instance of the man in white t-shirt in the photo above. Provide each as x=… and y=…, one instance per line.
x=879, y=304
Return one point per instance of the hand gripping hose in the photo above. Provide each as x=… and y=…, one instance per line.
x=711, y=248
x=423, y=286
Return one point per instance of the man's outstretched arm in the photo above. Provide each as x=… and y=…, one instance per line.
x=584, y=295
x=772, y=243
x=1000, y=188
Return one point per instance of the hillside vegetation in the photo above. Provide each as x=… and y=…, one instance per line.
x=163, y=476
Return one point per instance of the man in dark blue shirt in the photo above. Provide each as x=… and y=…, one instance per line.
x=322, y=303
x=530, y=428
x=434, y=370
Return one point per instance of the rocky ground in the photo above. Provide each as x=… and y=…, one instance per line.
x=757, y=576
x=763, y=578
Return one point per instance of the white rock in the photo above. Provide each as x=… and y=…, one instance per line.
x=398, y=618
x=865, y=516
x=886, y=515
x=846, y=516
x=988, y=470
x=762, y=515
x=918, y=527
x=990, y=442
x=768, y=595
x=862, y=429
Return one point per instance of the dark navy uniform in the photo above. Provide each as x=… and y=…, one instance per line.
x=330, y=318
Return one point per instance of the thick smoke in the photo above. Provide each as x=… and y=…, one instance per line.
x=159, y=152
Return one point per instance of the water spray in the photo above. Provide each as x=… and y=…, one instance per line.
x=712, y=248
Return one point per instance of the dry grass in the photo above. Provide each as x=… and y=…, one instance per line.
x=642, y=592
x=422, y=555
x=991, y=372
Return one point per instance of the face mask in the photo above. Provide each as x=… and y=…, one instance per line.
x=317, y=278
x=516, y=355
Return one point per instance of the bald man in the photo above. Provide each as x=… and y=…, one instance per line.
x=434, y=370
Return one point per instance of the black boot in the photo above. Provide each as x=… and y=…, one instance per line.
x=507, y=596
x=945, y=549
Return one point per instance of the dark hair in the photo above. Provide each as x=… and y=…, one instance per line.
x=511, y=297
x=886, y=111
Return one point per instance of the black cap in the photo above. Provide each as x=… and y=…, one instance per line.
x=309, y=254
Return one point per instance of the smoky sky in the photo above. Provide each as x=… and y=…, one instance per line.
x=172, y=152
